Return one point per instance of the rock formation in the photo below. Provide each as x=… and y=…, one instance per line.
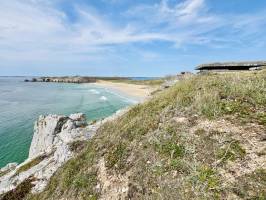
x=51, y=139
x=49, y=150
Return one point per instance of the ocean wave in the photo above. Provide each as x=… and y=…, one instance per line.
x=124, y=98
x=94, y=91
x=103, y=98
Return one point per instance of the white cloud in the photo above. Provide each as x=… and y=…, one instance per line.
x=37, y=30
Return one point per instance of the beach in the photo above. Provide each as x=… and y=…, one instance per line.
x=37, y=98
x=134, y=91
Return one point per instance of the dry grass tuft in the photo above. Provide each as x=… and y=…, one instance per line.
x=30, y=164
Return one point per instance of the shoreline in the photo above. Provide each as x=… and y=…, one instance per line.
x=28, y=130
x=134, y=92
x=50, y=162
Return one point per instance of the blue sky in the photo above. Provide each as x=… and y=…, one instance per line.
x=127, y=37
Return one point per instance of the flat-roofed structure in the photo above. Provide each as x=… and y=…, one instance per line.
x=232, y=66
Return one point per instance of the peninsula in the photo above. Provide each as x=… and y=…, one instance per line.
x=72, y=79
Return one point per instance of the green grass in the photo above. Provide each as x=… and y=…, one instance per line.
x=78, y=176
x=232, y=151
x=154, y=82
x=115, y=158
x=168, y=159
x=77, y=146
x=208, y=177
x=30, y=164
x=171, y=149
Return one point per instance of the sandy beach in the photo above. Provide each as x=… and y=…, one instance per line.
x=137, y=92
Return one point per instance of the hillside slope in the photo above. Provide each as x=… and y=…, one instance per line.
x=203, y=138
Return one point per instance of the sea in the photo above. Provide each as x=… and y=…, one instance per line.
x=21, y=103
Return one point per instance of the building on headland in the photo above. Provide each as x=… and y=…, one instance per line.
x=231, y=66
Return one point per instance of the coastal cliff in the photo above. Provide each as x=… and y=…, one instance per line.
x=50, y=148
x=56, y=139
x=201, y=138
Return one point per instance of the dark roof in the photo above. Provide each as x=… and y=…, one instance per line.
x=231, y=65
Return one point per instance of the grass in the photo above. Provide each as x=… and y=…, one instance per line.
x=115, y=158
x=171, y=149
x=20, y=192
x=252, y=186
x=4, y=173
x=154, y=82
x=30, y=164
x=77, y=146
x=208, y=178
x=75, y=178
x=232, y=151
x=168, y=159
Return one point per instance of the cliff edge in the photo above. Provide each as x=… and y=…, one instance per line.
x=50, y=148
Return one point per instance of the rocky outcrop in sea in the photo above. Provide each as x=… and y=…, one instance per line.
x=51, y=147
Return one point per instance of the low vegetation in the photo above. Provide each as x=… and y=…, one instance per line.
x=252, y=185
x=3, y=173
x=77, y=146
x=30, y=164
x=153, y=82
x=20, y=191
x=200, y=139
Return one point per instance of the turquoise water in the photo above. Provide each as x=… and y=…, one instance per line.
x=21, y=104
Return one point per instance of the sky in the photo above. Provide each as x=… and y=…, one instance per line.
x=127, y=37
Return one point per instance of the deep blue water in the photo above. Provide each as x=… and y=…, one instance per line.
x=21, y=103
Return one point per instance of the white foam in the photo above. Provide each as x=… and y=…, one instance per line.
x=103, y=98
x=94, y=91
x=126, y=99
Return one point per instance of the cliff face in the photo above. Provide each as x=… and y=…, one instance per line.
x=56, y=139
x=50, y=148
x=53, y=130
